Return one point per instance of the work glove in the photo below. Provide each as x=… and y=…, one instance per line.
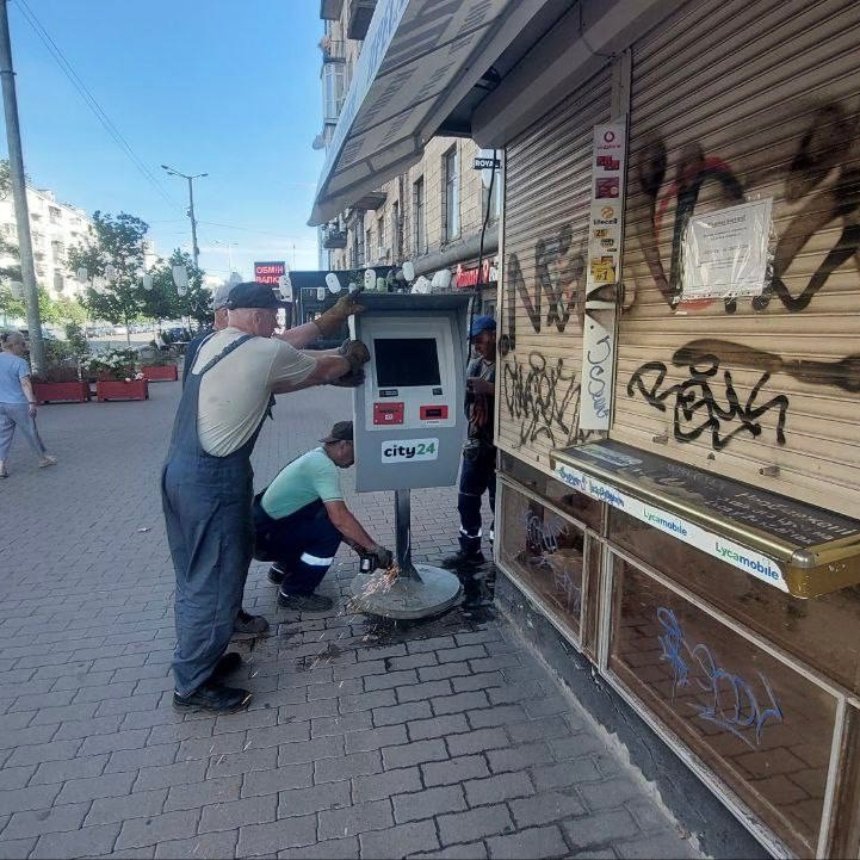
x=355, y=352
x=381, y=557
x=350, y=380
x=332, y=320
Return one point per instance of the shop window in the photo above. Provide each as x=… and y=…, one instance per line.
x=846, y=815
x=419, y=236
x=763, y=728
x=451, y=192
x=579, y=506
x=821, y=631
x=546, y=552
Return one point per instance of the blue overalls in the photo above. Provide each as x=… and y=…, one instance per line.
x=207, y=509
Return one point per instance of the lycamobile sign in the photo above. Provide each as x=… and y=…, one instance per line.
x=751, y=564
x=661, y=521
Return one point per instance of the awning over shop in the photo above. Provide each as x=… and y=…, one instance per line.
x=419, y=60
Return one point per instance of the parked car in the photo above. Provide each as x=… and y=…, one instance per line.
x=120, y=329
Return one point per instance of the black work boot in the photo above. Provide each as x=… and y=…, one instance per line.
x=247, y=623
x=276, y=574
x=213, y=697
x=462, y=560
x=227, y=664
x=305, y=602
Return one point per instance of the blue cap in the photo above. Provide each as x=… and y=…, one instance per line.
x=483, y=323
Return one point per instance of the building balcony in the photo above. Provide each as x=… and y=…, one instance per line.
x=333, y=51
x=330, y=9
x=333, y=237
x=372, y=200
x=360, y=13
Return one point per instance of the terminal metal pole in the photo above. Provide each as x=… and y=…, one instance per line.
x=403, y=533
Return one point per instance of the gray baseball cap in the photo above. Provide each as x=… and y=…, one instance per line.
x=220, y=295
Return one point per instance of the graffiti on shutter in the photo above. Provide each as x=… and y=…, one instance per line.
x=771, y=380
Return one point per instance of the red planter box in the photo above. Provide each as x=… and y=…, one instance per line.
x=61, y=392
x=114, y=389
x=161, y=372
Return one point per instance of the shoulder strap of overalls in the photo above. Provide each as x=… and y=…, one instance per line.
x=224, y=352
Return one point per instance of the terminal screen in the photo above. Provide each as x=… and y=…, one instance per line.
x=405, y=361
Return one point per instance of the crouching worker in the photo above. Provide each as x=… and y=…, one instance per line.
x=300, y=520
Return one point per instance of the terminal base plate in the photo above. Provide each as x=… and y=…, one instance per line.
x=433, y=592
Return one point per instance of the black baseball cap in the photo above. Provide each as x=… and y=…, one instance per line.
x=341, y=431
x=250, y=294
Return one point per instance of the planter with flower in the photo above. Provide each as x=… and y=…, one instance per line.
x=60, y=384
x=60, y=380
x=157, y=366
x=116, y=377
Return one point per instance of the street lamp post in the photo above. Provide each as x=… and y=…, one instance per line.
x=229, y=246
x=195, y=251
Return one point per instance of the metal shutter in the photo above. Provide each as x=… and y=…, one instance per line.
x=547, y=193
x=742, y=100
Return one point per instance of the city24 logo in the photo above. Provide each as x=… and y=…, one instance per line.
x=410, y=450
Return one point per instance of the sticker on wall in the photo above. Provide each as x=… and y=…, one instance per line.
x=602, y=273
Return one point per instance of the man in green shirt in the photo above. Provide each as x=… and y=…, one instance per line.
x=301, y=518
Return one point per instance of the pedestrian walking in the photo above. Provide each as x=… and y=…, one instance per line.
x=207, y=481
x=301, y=518
x=18, y=401
x=478, y=467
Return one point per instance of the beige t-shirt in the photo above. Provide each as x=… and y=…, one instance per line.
x=234, y=394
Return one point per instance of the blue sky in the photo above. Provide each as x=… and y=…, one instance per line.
x=218, y=86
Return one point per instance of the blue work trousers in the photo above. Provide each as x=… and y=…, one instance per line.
x=302, y=544
x=477, y=476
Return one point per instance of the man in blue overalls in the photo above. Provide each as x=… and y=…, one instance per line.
x=207, y=483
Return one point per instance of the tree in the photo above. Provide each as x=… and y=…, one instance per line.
x=10, y=306
x=117, y=242
x=164, y=302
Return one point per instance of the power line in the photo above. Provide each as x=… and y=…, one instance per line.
x=91, y=101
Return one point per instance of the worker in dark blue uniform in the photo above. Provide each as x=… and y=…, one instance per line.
x=207, y=482
x=478, y=467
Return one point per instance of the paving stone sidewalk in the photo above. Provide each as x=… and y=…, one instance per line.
x=445, y=738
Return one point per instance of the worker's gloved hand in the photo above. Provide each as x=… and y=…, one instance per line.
x=356, y=353
x=350, y=380
x=332, y=320
x=381, y=557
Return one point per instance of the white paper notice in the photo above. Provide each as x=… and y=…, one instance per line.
x=726, y=252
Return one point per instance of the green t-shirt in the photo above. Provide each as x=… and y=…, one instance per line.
x=308, y=478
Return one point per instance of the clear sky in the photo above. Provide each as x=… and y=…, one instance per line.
x=226, y=87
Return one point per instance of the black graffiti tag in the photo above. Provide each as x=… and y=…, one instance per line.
x=538, y=396
x=558, y=279
x=696, y=409
x=826, y=149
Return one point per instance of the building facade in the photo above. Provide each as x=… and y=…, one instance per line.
x=54, y=228
x=434, y=213
x=679, y=465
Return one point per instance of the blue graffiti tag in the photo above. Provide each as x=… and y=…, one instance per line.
x=730, y=701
